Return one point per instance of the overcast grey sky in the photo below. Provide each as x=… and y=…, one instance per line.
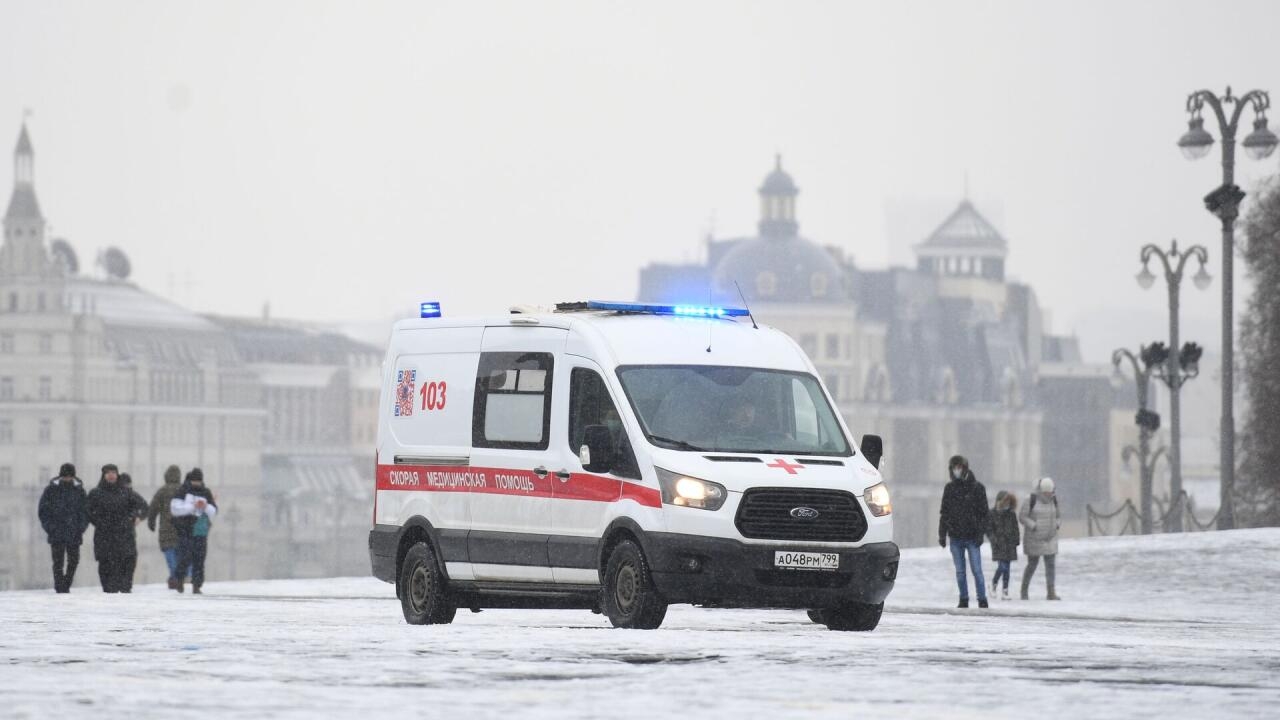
x=344, y=160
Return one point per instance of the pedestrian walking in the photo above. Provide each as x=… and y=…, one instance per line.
x=114, y=510
x=1040, y=517
x=138, y=508
x=193, y=509
x=64, y=515
x=1005, y=537
x=160, y=521
x=964, y=520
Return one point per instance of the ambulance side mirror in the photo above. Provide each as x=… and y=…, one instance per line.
x=596, y=452
x=872, y=449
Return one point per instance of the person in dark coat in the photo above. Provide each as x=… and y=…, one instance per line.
x=193, y=509
x=1005, y=537
x=161, y=522
x=64, y=515
x=964, y=519
x=113, y=510
x=138, y=504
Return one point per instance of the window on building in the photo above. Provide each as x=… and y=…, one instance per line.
x=46, y=343
x=809, y=344
x=6, y=476
x=46, y=431
x=45, y=473
x=818, y=284
x=6, y=343
x=6, y=388
x=46, y=388
x=6, y=432
x=513, y=401
x=766, y=284
x=833, y=346
x=6, y=530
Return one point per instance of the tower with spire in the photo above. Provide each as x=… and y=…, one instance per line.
x=778, y=203
x=24, y=253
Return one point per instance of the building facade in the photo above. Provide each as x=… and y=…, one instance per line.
x=96, y=370
x=945, y=358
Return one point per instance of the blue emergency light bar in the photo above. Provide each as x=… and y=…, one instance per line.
x=429, y=310
x=706, y=311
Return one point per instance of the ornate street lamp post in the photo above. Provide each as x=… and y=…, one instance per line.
x=1148, y=422
x=1174, y=368
x=1225, y=204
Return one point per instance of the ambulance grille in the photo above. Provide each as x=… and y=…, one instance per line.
x=765, y=513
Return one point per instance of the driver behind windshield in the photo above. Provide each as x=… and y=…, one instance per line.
x=738, y=422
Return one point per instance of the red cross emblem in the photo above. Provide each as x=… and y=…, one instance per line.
x=784, y=465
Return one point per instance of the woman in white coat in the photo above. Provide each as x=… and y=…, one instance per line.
x=1040, y=517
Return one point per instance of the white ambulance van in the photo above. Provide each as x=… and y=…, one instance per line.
x=622, y=457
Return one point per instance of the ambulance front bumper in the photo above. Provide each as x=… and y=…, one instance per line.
x=722, y=572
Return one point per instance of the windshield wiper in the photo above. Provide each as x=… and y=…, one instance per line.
x=680, y=444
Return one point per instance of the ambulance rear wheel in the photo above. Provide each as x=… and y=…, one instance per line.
x=423, y=596
x=629, y=597
x=858, y=617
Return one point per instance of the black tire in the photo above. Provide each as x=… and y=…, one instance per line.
x=818, y=616
x=856, y=617
x=629, y=597
x=423, y=592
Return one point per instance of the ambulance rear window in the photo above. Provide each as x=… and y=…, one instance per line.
x=513, y=401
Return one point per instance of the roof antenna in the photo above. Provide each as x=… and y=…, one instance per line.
x=745, y=305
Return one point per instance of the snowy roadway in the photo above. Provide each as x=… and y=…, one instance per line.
x=1167, y=626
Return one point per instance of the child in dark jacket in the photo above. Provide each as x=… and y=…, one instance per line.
x=1005, y=536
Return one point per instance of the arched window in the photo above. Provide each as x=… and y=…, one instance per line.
x=766, y=284
x=818, y=284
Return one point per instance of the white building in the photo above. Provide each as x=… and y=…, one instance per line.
x=98, y=370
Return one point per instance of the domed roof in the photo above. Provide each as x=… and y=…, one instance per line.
x=965, y=227
x=778, y=182
x=780, y=270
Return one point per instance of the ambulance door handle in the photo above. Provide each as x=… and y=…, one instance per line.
x=540, y=471
x=563, y=475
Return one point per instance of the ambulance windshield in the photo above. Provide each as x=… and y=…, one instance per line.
x=733, y=409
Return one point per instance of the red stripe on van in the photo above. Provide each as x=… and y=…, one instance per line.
x=508, y=481
x=641, y=494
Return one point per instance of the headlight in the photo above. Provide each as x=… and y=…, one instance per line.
x=877, y=498
x=685, y=491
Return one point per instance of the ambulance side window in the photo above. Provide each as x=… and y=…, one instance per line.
x=590, y=404
x=513, y=401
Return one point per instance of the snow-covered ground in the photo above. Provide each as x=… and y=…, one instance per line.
x=1166, y=626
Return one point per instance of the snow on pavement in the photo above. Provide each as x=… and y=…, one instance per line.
x=1166, y=626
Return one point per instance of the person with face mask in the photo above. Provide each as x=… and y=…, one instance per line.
x=1040, y=517
x=964, y=520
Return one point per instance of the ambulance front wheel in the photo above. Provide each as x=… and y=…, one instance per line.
x=423, y=598
x=629, y=597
